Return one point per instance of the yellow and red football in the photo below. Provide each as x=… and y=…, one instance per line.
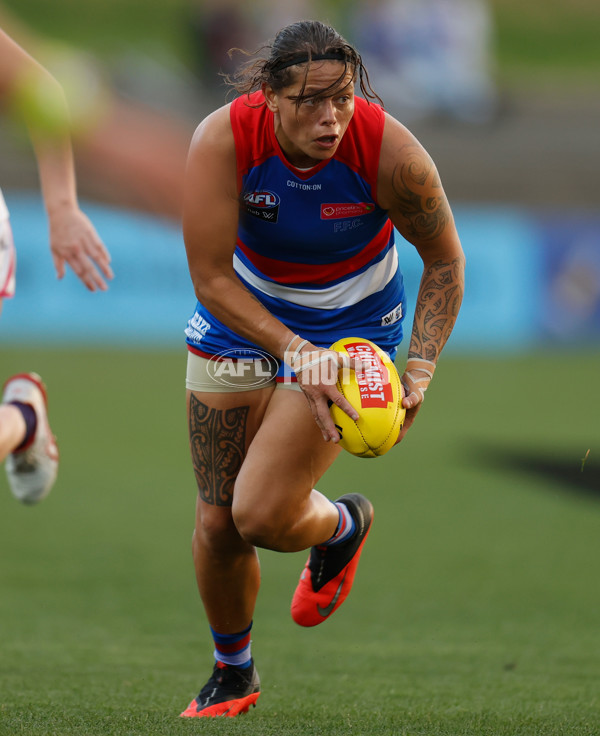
x=375, y=392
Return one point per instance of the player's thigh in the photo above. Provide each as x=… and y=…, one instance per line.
x=286, y=457
x=221, y=428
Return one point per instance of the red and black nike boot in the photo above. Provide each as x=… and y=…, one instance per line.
x=329, y=572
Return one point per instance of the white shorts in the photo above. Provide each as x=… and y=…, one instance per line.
x=8, y=258
x=8, y=255
x=230, y=376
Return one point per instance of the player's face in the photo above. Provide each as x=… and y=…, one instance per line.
x=311, y=132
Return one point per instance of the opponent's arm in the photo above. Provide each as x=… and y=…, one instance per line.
x=210, y=224
x=36, y=97
x=411, y=190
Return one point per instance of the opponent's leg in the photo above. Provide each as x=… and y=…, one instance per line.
x=26, y=440
x=13, y=429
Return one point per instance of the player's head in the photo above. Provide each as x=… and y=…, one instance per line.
x=290, y=56
x=308, y=79
x=299, y=46
x=313, y=112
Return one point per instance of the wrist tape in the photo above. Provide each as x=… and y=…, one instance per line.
x=418, y=383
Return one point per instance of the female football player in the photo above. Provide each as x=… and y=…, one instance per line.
x=293, y=194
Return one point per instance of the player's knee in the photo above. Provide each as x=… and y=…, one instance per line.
x=261, y=528
x=214, y=531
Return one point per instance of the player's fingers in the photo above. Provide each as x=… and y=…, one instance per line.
x=327, y=426
x=319, y=403
x=415, y=380
x=339, y=400
x=412, y=399
x=408, y=421
x=328, y=430
x=91, y=273
x=106, y=269
x=94, y=278
x=99, y=253
x=85, y=270
x=318, y=417
x=335, y=397
x=59, y=266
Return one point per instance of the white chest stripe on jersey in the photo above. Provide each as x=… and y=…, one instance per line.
x=344, y=294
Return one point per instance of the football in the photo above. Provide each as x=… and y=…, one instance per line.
x=376, y=393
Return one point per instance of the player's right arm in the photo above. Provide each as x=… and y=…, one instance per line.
x=210, y=224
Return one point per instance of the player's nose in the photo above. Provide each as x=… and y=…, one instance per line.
x=328, y=112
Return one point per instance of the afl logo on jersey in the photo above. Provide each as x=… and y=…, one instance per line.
x=263, y=204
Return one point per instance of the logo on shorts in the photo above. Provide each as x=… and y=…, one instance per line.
x=263, y=204
x=197, y=328
x=248, y=368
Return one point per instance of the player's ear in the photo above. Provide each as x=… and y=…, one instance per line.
x=270, y=97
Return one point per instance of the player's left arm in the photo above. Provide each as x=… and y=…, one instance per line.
x=410, y=188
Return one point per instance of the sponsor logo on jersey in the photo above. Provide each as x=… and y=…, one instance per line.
x=263, y=204
x=374, y=385
x=341, y=210
x=391, y=317
x=304, y=187
x=343, y=226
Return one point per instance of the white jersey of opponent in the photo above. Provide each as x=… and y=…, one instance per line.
x=3, y=207
x=8, y=256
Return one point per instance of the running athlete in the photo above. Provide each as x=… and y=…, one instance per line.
x=292, y=195
x=26, y=440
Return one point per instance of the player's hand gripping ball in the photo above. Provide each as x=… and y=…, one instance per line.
x=376, y=393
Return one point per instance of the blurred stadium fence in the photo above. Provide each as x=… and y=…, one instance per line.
x=533, y=278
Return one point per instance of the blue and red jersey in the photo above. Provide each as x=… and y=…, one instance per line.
x=313, y=246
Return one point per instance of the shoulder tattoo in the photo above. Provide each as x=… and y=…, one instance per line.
x=418, y=194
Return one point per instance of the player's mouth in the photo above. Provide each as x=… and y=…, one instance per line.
x=327, y=141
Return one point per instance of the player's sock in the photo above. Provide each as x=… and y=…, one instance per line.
x=30, y=419
x=345, y=528
x=233, y=649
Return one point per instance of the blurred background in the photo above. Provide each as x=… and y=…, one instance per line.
x=505, y=97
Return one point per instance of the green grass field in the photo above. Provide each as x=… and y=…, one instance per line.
x=476, y=609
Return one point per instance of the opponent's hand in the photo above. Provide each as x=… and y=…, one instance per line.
x=415, y=380
x=74, y=240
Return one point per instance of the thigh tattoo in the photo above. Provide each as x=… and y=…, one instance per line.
x=218, y=446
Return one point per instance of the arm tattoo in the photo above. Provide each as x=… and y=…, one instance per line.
x=420, y=199
x=217, y=442
x=438, y=303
